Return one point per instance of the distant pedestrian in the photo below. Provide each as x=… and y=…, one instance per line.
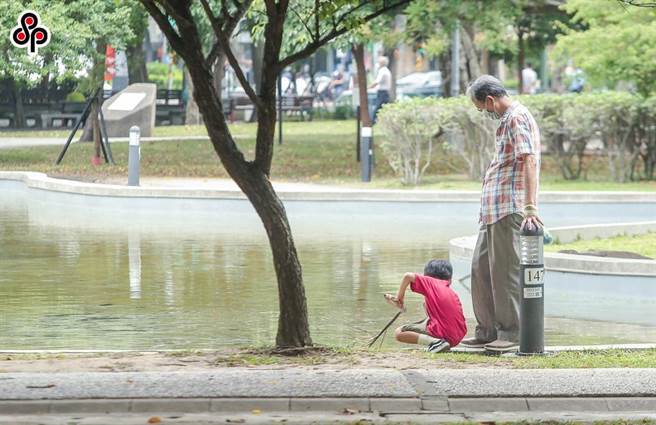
x=529, y=79
x=508, y=203
x=384, y=83
x=444, y=327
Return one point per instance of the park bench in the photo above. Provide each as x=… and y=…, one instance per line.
x=301, y=106
x=67, y=113
x=169, y=107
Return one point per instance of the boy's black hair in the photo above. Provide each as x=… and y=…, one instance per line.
x=439, y=269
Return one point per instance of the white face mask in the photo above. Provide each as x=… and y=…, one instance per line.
x=493, y=115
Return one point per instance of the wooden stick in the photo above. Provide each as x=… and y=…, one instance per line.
x=373, y=341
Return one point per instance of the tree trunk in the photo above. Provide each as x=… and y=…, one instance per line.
x=445, y=70
x=96, y=127
x=471, y=63
x=192, y=114
x=19, y=110
x=358, y=55
x=293, y=327
x=258, y=55
x=137, y=71
x=97, y=78
x=521, y=55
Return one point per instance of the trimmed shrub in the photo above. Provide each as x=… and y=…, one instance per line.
x=421, y=131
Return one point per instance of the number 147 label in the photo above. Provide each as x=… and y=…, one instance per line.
x=534, y=276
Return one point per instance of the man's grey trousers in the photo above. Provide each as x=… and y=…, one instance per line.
x=495, y=282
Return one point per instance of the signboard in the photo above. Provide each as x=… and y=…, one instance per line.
x=534, y=276
x=533, y=292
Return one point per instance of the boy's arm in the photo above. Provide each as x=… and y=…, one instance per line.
x=408, y=278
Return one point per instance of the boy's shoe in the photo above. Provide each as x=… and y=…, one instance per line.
x=438, y=346
x=501, y=346
x=474, y=343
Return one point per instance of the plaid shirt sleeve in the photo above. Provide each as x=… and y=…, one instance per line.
x=523, y=131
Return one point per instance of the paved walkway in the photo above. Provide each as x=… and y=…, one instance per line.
x=208, y=188
x=22, y=142
x=414, y=394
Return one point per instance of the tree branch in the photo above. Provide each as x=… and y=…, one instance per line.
x=334, y=33
x=317, y=6
x=228, y=27
x=224, y=44
x=170, y=9
x=164, y=24
x=637, y=3
x=300, y=18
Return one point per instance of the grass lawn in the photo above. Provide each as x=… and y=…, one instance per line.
x=640, y=244
x=320, y=152
x=344, y=358
x=562, y=360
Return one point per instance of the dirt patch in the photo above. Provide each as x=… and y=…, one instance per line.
x=262, y=359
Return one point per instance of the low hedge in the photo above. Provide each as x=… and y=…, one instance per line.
x=422, y=132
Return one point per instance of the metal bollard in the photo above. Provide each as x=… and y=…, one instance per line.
x=531, y=310
x=134, y=155
x=366, y=154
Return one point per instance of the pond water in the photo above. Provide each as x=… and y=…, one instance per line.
x=108, y=273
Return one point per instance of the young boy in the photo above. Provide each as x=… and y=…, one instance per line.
x=445, y=325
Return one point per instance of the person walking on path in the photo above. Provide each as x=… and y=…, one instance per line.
x=384, y=83
x=508, y=203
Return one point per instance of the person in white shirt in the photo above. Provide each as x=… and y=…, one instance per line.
x=529, y=79
x=384, y=83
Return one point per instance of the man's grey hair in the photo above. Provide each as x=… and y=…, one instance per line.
x=384, y=60
x=484, y=86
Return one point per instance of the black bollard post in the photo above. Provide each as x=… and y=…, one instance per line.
x=366, y=153
x=531, y=310
x=357, y=120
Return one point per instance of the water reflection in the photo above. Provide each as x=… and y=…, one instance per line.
x=86, y=277
x=134, y=259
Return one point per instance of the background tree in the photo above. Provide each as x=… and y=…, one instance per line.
x=484, y=33
x=325, y=20
x=74, y=26
x=611, y=28
x=137, y=71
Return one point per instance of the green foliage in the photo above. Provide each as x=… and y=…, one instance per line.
x=75, y=27
x=624, y=123
x=415, y=130
x=641, y=244
x=617, y=45
x=344, y=112
x=158, y=73
x=75, y=96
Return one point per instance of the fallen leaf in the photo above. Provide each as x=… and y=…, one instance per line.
x=154, y=420
x=235, y=421
x=348, y=411
x=256, y=411
x=41, y=386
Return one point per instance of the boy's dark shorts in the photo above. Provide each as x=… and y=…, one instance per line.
x=420, y=327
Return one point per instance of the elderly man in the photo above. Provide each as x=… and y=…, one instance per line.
x=508, y=203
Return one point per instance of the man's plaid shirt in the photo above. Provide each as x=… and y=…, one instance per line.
x=503, y=185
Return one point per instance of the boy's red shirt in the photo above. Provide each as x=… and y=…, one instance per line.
x=445, y=317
